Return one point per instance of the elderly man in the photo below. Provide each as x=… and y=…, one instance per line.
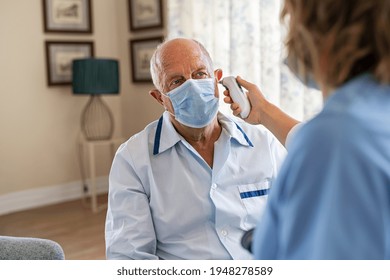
x=191, y=183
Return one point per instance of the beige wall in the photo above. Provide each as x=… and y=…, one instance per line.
x=138, y=107
x=39, y=125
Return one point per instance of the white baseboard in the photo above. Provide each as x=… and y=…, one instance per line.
x=24, y=200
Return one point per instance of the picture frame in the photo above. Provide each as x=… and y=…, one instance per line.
x=141, y=51
x=67, y=16
x=145, y=14
x=59, y=57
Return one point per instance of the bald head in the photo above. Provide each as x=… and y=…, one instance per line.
x=177, y=54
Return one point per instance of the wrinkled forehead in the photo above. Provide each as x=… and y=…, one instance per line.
x=183, y=54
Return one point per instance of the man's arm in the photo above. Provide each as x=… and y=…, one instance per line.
x=129, y=229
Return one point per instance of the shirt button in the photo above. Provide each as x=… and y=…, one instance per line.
x=214, y=186
x=224, y=232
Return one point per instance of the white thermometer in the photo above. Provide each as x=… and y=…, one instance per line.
x=237, y=94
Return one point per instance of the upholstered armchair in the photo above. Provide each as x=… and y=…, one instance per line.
x=24, y=248
x=246, y=240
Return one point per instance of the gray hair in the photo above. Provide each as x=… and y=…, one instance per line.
x=156, y=66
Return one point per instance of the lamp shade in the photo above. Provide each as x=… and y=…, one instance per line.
x=95, y=76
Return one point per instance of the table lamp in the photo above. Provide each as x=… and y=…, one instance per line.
x=95, y=76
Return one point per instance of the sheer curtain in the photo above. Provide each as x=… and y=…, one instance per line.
x=245, y=38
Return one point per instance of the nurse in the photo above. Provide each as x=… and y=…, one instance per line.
x=331, y=199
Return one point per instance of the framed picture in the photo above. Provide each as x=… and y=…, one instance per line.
x=59, y=57
x=145, y=14
x=67, y=16
x=141, y=50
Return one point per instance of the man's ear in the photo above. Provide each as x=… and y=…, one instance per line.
x=218, y=74
x=156, y=95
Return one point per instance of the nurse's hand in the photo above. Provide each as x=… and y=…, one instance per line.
x=263, y=112
x=256, y=99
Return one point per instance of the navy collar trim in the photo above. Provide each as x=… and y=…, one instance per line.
x=157, y=137
x=244, y=134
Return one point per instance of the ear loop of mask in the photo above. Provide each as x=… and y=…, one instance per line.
x=166, y=109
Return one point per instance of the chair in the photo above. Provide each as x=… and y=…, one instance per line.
x=25, y=248
x=246, y=240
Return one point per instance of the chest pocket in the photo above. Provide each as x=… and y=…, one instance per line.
x=254, y=199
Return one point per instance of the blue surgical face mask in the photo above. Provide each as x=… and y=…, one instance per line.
x=194, y=102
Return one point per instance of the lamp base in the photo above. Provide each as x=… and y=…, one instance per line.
x=97, y=122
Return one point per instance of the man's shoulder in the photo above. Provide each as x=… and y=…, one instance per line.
x=141, y=139
x=254, y=132
x=259, y=136
x=244, y=126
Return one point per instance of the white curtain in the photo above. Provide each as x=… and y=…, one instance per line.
x=244, y=37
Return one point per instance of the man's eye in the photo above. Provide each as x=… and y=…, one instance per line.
x=201, y=75
x=175, y=83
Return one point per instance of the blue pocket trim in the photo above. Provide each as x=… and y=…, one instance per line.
x=254, y=193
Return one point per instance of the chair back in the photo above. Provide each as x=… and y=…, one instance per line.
x=26, y=248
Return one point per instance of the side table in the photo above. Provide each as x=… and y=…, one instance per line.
x=89, y=147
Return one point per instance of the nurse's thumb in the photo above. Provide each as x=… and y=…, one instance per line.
x=244, y=83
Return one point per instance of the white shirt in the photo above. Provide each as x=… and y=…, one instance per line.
x=165, y=202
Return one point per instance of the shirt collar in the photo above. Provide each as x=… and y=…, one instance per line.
x=234, y=130
x=166, y=135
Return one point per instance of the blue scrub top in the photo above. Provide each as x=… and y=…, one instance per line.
x=332, y=197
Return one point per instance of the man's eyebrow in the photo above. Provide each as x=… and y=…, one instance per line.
x=201, y=68
x=177, y=75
